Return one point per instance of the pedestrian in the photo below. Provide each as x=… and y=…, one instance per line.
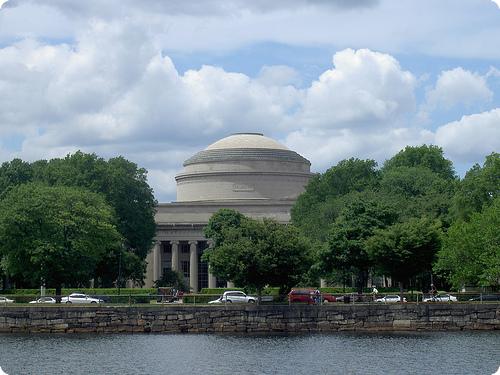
x=374, y=292
x=433, y=291
x=317, y=296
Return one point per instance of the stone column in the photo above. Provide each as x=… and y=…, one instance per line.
x=175, y=255
x=156, y=261
x=230, y=284
x=212, y=280
x=322, y=283
x=193, y=266
x=148, y=282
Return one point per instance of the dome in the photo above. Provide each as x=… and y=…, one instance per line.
x=246, y=140
x=245, y=146
x=243, y=166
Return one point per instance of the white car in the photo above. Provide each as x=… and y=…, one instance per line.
x=234, y=296
x=391, y=298
x=44, y=300
x=441, y=298
x=80, y=298
x=6, y=300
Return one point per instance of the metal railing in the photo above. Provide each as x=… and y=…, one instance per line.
x=304, y=299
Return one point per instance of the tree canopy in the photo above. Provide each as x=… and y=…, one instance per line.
x=124, y=187
x=471, y=249
x=479, y=188
x=254, y=253
x=324, y=197
x=342, y=208
x=55, y=234
x=430, y=157
x=403, y=250
x=346, y=245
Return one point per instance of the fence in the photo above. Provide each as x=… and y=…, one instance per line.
x=215, y=299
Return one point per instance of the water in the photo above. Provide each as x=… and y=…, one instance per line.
x=338, y=353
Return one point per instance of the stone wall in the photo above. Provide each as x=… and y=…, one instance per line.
x=240, y=318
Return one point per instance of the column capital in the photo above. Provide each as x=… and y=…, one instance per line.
x=193, y=242
x=210, y=243
x=174, y=242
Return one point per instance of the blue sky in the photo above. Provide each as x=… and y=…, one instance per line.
x=157, y=81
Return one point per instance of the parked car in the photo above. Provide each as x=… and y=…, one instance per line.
x=301, y=295
x=486, y=297
x=44, y=300
x=390, y=298
x=327, y=297
x=310, y=296
x=234, y=296
x=80, y=298
x=441, y=298
x=6, y=300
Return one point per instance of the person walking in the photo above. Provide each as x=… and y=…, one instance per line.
x=433, y=291
x=374, y=292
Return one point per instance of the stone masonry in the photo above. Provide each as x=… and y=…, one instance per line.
x=258, y=319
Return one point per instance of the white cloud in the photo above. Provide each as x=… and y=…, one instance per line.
x=326, y=148
x=162, y=180
x=472, y=137
x=423, y=27
x=112, y=91
x=458, y=87
x=364, y=88
x=279, y=75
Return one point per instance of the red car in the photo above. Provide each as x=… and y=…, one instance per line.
x=309, y=296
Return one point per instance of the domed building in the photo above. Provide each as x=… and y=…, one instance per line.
x=247, y=172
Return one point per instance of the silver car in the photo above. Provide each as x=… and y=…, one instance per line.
x=234, y=297
x=441, y=298
x=6, y=300
x=391, y=298
x=80, y=298
x=44, y=300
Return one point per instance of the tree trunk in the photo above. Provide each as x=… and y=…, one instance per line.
x=401, y=291
x=58, y=293
x=5, y=282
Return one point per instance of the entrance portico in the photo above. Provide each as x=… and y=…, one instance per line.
x=183, y=256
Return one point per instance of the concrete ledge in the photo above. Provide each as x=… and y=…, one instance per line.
x=249, y=318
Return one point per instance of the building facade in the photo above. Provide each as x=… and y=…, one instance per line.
x=247, y=172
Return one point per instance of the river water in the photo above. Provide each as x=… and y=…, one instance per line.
x=336, y=353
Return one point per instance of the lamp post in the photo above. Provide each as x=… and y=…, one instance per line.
x=119, y=270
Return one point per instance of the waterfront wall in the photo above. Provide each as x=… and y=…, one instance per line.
x=242, y=318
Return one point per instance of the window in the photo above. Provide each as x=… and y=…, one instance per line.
x=167, y=247
x=184, y=247
x=185, y=267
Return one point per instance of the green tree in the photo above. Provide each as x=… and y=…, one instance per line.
x=420, y=181
x=220, y=222
x=346, y=247
x=318, y=207
x=430, y=157
x=418, y=191
x=124, y=187
x=471, y=250
x=479, y=188
x=14, y=173
x=173, y=279
x=254, y=254
x=55, y=234
x=406, y=249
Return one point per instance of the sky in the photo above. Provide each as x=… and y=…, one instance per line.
x=157, y=81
